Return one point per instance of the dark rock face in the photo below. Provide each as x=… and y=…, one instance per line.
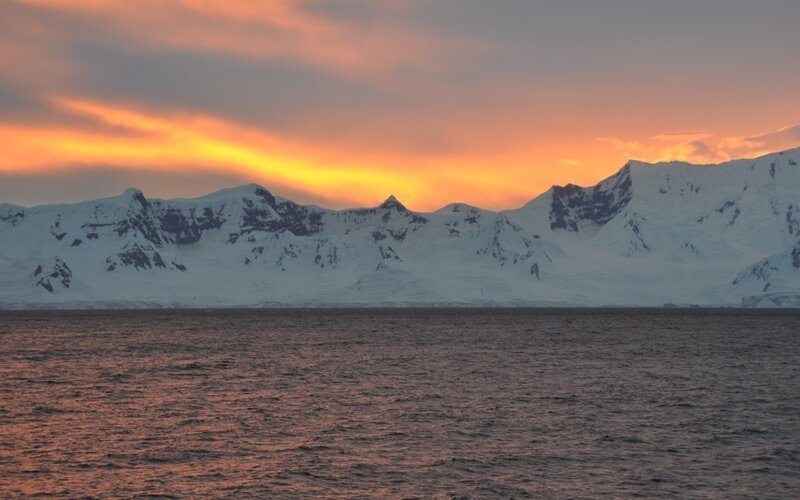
x=59, y=275
x=793, y=220
x=142, y=223
x=158, y=261
x=291, y=217
x=134, y=256
x=637, y=243
x=12, y=217
x=155, y=224
x=764, y=270
x=288, y=253
x=388, y=211
x=495, y=249
x=398, y=235
x=726, y=207
x=139, y=257
x=297, y=219
x=326, y=254
x=524, y=251
x=392, y=203
x=138, y=197
x=599, y=204
x=472, y=214
x=185, y=229
x=760, y=272
x=159, y=223
x=146, y=226
x=388, y=253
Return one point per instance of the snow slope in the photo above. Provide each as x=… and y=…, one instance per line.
x=650, y=235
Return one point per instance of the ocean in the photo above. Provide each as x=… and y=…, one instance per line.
x=406, y=403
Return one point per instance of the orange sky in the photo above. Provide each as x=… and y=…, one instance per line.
x=342, y=103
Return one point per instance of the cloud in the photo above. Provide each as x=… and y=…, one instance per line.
x=127, y=139
x=131, y=143
x=349, y=100
x=631, y=149
x=285, y=29
x=684, y=136
x=79, y=182
x=690, y=149
x=699, y=149
x=765, y=142
x=205, y=140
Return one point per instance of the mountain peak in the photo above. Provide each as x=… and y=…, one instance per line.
x=392, y=203
x=245, y=190
x=134, y=194
x=645, y=236
x=253, y=186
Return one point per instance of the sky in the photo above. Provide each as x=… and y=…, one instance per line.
x=344, y=102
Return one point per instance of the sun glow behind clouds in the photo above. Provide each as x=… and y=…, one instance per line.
x=345, y=102
x=117, y=135
x=152, y=142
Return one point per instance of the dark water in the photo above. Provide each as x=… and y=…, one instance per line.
x=404, y=403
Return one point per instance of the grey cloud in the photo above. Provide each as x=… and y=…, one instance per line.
x=531, y=63
x=276, y=94
x=82, y=182
x=75, y=183
x=778, y=137
x=700, y=148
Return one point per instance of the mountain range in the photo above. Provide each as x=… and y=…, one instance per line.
x=665, y=234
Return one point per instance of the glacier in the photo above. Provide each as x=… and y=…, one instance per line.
x=651, y=235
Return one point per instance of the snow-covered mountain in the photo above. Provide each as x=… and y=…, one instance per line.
x=650, y=235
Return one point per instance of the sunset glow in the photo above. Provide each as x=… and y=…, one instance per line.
x=343, y=103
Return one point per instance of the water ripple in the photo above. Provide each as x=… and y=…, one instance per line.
x=400, y=403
